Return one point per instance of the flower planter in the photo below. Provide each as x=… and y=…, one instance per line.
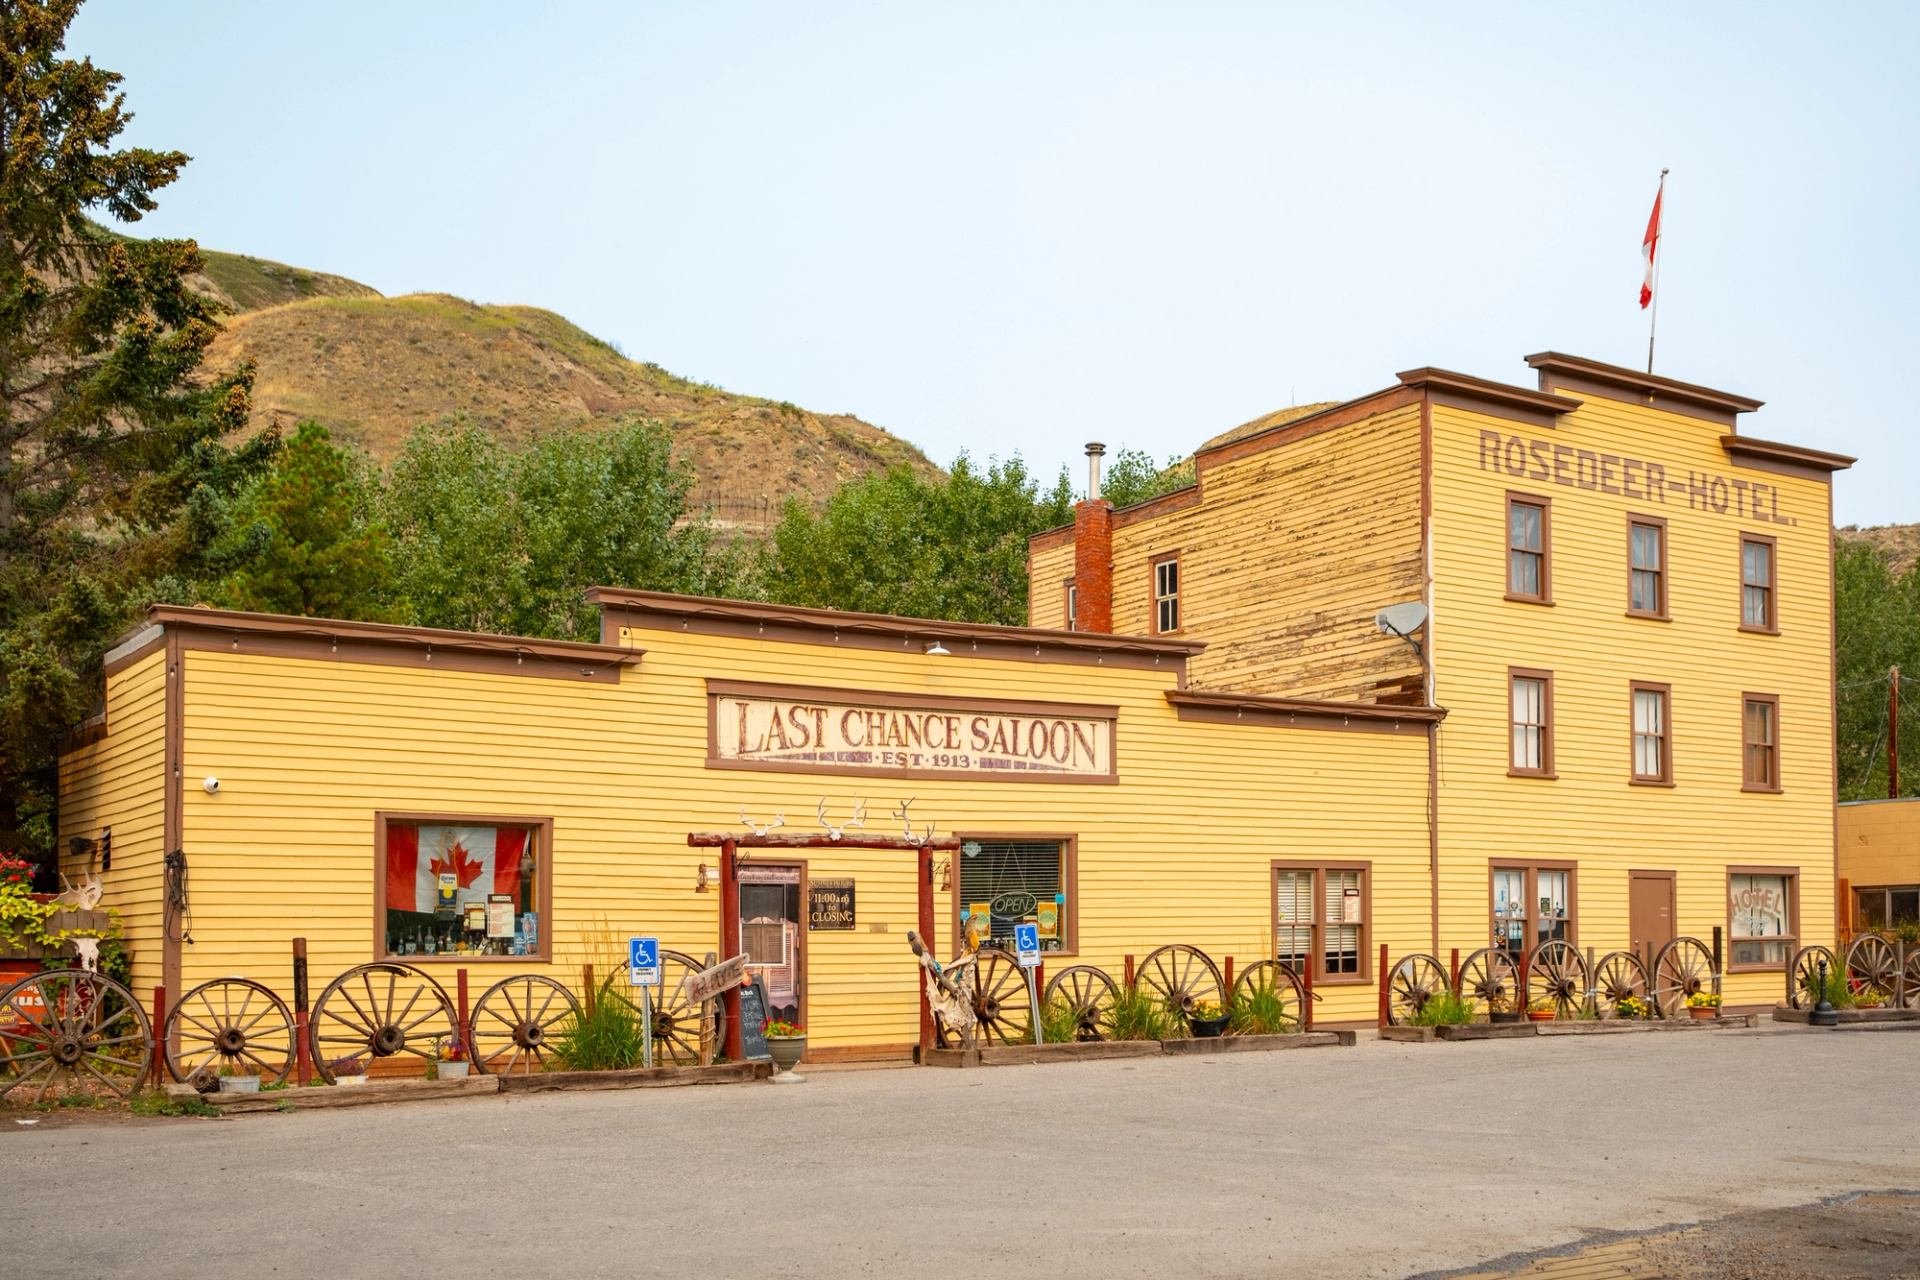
x=239, y=1084
x=786, y=1052
x=1208, y=1028
x=1503, y=1015
x=451, y=1070
x=1702, y=1013
x=1533, y=1016
x=349, y=1082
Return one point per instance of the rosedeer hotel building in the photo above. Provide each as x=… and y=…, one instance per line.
x=1615, y=726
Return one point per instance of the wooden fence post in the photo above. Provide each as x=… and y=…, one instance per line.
x=159, y=1035
x=1226, y=982
x=302, y=1055
x=1383, y=985
x=1129, y=973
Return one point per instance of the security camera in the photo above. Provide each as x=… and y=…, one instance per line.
x=212, y=784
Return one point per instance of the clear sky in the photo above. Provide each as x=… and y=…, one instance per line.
x=1016, y=228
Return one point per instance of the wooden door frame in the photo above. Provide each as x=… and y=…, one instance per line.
x=1673, y=901
x=802, y=980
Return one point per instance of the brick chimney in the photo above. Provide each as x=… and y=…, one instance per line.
x=1093, y=552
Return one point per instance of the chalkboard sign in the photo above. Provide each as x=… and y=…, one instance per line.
x=753, y=1021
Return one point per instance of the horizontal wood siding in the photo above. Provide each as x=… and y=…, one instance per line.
x=120, y=782
x=1880, y=842
x=1178, y=851
x=1590, y=813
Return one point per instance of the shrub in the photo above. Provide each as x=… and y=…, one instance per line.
x=1140, y=1014
x=605, y=1035
x=1444, y=1009
x=1261, y=1012
x=1058, y=1021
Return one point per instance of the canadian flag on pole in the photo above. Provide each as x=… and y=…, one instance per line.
x=1650, y=244
x=482, y=860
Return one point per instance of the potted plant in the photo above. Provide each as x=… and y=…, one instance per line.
x=786, y=1045
x=1542, y=1011
x=1500, y=1008
x=350, y=1071
x=237, y=1079
x=1703, y=1004
x=447, y=1060
x=1631, y=1007
x=1207, y=1020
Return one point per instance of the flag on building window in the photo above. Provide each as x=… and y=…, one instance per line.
x=1650, y=244
x=481, y=860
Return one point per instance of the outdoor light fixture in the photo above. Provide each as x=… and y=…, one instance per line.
x=937, y=650
x=702, y=878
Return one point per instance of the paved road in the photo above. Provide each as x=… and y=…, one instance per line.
x=1381, y=1161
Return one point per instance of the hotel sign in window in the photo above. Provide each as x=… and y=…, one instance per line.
x=1320, y=919
x=1530, y=707
x=1760, y=909
x=1757, y=605
x=1166, y=594
x=462, y=887
x=1531, y=905
x=1528, y=572
x=1647, y=567
x=1652, y=736
x=1009, y=881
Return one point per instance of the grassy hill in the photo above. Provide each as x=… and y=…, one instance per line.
x=1901, y=542
x=373, y=368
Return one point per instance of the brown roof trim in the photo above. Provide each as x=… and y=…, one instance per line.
x=1222, y=705
x=1556, y=368
x=1497, y=394
x=805, y=624
x=386, y=644
x=1281, y=432
x=89, y=731
x=1746, y=448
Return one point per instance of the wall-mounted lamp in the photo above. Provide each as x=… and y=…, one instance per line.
x=944, y=870
x=703, y=878
x=937, y=650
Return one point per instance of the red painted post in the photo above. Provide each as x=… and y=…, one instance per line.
x=1520, y=1000
x=1226, y=978
x=1129, y=973
x=1453, y=971
x=159, y=1035
x=730, y=944
x=465, y=1031
x=1383, y=984
x=302, y=1051
x=586, y=980
x=1306, y=985
x=926, y=936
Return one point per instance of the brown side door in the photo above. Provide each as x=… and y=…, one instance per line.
x=1650, y=907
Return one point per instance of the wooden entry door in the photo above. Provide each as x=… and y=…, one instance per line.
x=1650, y=907
x=773, y=933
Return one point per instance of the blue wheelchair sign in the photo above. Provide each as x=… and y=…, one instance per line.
x=643, y=962
x=1026, y=941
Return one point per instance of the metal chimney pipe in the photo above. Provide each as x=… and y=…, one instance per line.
x=1094, y=451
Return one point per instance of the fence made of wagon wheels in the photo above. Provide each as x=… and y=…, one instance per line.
x=1554, y=978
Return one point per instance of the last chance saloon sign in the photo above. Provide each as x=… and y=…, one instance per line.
x=851, y=731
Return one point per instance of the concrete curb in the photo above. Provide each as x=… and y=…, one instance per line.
x=1007, y=1055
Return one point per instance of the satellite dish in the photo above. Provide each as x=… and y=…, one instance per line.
x=1401, y=619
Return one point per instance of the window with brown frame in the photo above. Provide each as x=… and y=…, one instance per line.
x=1530, y=717
x=462, y=887
x=1760, y=742
x=1010, y=879
x=1073, y=605
x=1529, y=544
x=1652, y=733
x=1322, y=917
x=1646, y=567
x=1763, y=906
x=1533, y=903
x=1759, y=573
x=1166, y=593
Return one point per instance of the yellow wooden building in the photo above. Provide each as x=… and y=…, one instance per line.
x=1627, y=614
x=1880, y=863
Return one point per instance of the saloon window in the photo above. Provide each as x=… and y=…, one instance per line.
x=1531, y=905
x=1761, y=906
x=1320, y=919
x=463, y=887
x=1004, y=881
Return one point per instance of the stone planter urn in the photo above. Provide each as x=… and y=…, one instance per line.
x=786, y=1052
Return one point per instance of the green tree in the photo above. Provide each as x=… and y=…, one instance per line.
x=105, y=433
x=1135, y=477
x=949, y=547
x=1876, y=627
x=304, y=540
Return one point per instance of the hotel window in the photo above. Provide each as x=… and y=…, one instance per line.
x=1529, y=574
x=1758, y=608
x=1073, y=606
x=1647, y=567
x=1886, y=907
x=463, y=888
x=1166, y=594
x=1011, y=880
x=1652, y=734
x=1530, y=712
x=1760, y=742
x=1761, y=905
x=1531, y=905
x=1320, y=918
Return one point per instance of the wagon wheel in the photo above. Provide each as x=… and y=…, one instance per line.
x=1910, y=980
x=72, y=1031
x=1182, y=977
x=1267, y=993
x=1683, y=967
x=1556, y=975
x=1803, y=977
x=1000, y=998
x=1088, y=994
x=1415, y=980
x=230, y=1023
x=1618, y=976
x=383, y=1010
x=676, y=1019
x=1873, y=966
x=1489, y=979
x=515, y=1020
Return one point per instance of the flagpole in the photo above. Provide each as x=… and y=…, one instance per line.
x=1653, y=325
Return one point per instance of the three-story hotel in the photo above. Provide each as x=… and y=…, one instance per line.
x=1611, y=723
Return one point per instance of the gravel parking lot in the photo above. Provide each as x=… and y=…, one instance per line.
x=1383, y=1160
